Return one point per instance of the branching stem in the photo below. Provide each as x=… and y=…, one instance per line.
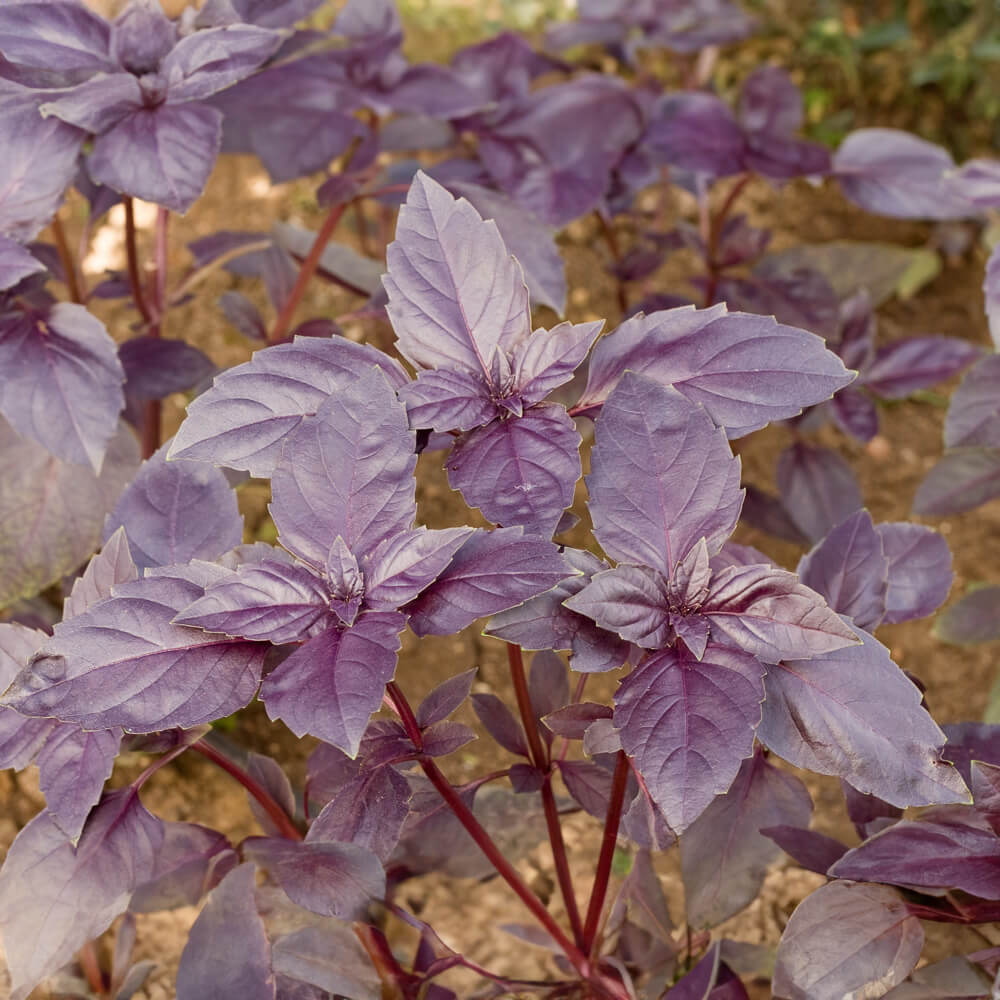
x=132, y=255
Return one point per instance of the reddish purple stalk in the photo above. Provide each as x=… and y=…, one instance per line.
x=713, y=235
x=153, y=410
x=67, y=261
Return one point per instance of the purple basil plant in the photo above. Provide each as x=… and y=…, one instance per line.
x=725, y=662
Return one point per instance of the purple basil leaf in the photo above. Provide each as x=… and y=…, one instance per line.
x=16, y=263
x=972, y=741
x=491, y=572
x=847, y=940
x=122, y=662
x=400, y=567
x=154, y=367
x=445, y=698
x=111, y=566
x=99, y=104
x=161, y=154
x=55, y=36
x=331, y=879
x=850, y=570
x=173, y=512
x=589, y=784
x=548, y=358
x=724, y=856
x=697, y=131
x=267, y=772
x=901, y=368
x=521, y=471
x=920, y=573
x=40, y=155
x=817, y=487
x=546, y=623
x=854, y=714
x=686, y=487
x=243, y=419
x=868, y=813
x=784, y=157
x=965, y=478
x=991, y=292
x=63, y=381
x=630, y=600
x=449, y=399
x=51, y=512
x=20, y=738
x=189, y=862
x=766, y=512
x=710, y=979
x=57, y=896
x=369, y=811
x=548, y=685
x=601, y=737
x=530, y=240
x=330, y=687
x=274, y=13
x=891, y=172
x=526, y=778
x=455, y=294
x=206, y=62
x=688, y=724
x=978, y=181
x=770, y=102
x=769, y=613
x=267, y=601
x=244, y=315
x=974, y=409
x=816, y=852
x=745, y=370
x=855, y=413
x=347, y=471
x=572, y=721
x=141, y=36
x=974, y=617
x=210, y=967
x=325, y=959
x=444, y=738
x=950, y=848
x=498, y=721
x=72, y=768
x=338, y=262
x=985, y=785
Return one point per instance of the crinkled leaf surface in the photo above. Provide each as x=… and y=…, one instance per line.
x=49, y=35
x=891, y=172
x=850, y=569
x=176, y=511
x=767, y=612
x=347, y=471
x=331, y=879
x=330, y=686
x=724, y=856
x=210, y=966
x=548, y=358
x=62, y=383
x=20, y=737
x=847, y=940
x=56, y=897
x=51, y=512
x=521, y=471
x=662, y=476
x=123, y=662
x=745, y=370
x=631, y=601
x=243, y=419
x=491, y=572
x=949, y=848
x=269, y=601
x=688, y=723
x=920, y=574
x=544, y=622
x=455, y=293
x=449, y=399
x=161, y=154
x=853, y=713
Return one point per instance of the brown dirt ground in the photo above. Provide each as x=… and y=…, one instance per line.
x=958, y=680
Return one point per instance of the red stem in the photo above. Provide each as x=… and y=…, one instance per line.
x=280, y=817
x=610, y=841
x=611, y=238
x=483, y=840
x=153, y=410
x=66, y=259
x=308, y=269
x=714, y=232
x=540, y=758
x=91, y=967
x=132, y=254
